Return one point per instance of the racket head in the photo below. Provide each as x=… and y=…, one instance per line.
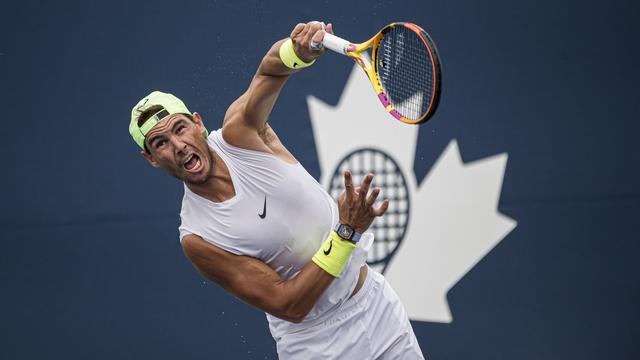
x=405, y=71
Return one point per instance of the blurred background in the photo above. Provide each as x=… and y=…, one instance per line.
x=91, y=264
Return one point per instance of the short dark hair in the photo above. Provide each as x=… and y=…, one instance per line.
x=145, y=115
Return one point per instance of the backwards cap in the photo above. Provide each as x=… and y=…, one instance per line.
x=170, y=105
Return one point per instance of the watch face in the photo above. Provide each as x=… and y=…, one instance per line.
x=345, y=232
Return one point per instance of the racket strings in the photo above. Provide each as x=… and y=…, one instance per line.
x=406, y=72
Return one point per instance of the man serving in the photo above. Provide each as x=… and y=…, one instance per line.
x=256, y=223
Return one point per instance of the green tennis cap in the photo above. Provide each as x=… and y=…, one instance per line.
x=170, y=105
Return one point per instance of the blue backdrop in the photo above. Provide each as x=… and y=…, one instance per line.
x=91, y=263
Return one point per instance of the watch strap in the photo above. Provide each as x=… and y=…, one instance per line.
x=355, y=236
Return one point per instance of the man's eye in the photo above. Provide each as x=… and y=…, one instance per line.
x=179, y=129
x=160, y=143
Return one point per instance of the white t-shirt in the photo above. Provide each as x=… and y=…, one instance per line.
x=280, y=215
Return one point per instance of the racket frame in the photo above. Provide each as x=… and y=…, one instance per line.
x=369, y=63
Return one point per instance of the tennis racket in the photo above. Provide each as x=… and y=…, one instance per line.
x=404, y=69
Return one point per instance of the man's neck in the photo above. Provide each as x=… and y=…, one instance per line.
x=219, y=187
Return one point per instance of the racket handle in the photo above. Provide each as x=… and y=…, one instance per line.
x=335, y=43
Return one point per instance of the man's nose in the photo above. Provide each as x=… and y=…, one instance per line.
x=179, y=145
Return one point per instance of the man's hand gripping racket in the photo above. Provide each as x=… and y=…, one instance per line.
x=404, y=68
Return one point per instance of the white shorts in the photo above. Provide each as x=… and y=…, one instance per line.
x=371, y=325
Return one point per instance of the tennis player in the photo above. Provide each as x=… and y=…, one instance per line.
x=257, y=224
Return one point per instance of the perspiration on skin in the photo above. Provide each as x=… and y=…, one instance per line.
x=176, y=144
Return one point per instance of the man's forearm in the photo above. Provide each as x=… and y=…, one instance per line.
x=256, y=283
x=301, y=293
x=265, y=88
x=256, y=103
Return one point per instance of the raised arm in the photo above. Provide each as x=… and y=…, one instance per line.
x=257, y=284
x=251, y=110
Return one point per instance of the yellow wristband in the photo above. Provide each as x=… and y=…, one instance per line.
x=289, y=57
x=334, y=254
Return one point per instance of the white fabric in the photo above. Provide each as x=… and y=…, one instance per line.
x=299, y=216
x=371, y=325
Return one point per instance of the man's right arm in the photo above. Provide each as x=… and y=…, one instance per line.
x=257, y=284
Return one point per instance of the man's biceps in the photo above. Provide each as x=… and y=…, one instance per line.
x=255, y=270
x=191, y=245
x=212, y=261
x=244, y=271
x=255, y=283
x=237, y=106
x=238, y=273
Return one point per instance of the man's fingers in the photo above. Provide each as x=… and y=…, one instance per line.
x=364, y=187
x=302, y=35
x=329, y=28
x=310, y=29
x=348, y=186
x=316, y=40
x=315, y=25
x=382, y=208
x=372, y=198
x=297, y=30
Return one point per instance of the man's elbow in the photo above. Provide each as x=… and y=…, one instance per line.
x=291, y=311
x=292, y=317
x=297, y=316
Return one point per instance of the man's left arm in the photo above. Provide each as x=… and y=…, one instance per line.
x=251, y=110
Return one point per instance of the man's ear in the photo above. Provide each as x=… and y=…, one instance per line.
x=200, y=124
x=198, y=120
x=150, y=159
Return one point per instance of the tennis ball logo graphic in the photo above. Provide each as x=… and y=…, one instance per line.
x=390, y=229
x=441, y=226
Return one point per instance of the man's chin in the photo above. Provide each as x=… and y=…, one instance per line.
x=198, y=179
x=199, y=175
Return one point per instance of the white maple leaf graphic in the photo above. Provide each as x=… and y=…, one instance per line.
x=454, y=219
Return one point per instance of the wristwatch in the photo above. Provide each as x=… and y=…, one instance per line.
x=346, y=232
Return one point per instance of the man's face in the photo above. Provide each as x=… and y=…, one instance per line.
x=176, y=144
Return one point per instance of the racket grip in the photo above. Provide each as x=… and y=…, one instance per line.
x=335, y=43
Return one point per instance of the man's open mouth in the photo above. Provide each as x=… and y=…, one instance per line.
x=192, y=163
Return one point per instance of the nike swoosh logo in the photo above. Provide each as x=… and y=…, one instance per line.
x=328, y=251
x=295, y=64
x=264, y=209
